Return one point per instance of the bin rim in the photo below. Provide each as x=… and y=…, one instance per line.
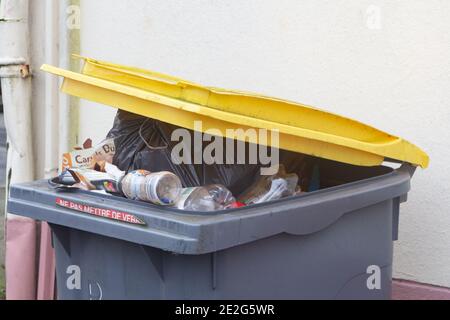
x=200, y=234
x=302, y=128
x=405, y=170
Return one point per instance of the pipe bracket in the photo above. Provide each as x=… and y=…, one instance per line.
x=14, y=71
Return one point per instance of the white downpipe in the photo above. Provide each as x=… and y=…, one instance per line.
x=58, y=47
x=16, y=90
x=46, y=275
x=64, y=62
x=16, y=87
x=68, y=45
x=51, y=89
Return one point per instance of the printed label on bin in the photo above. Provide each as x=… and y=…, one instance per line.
x=100, y=212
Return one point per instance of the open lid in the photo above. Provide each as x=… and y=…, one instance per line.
x=179, y=102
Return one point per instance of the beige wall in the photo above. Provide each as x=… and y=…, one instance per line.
x=385, y=63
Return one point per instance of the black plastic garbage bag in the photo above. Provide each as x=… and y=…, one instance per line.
x=143, y=143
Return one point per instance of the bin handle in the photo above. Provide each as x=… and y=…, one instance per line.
x=336, y=203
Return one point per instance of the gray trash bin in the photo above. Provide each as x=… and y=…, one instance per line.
x=336, y=243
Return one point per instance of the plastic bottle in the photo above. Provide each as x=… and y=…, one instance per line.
x=269, y=188
x=205, y=199
x=162, y=188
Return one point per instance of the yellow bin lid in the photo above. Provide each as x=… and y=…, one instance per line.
x=179, y=102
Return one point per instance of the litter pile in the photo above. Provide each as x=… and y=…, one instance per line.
x=135, y=161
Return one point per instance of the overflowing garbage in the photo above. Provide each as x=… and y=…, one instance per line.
x=136, y=161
